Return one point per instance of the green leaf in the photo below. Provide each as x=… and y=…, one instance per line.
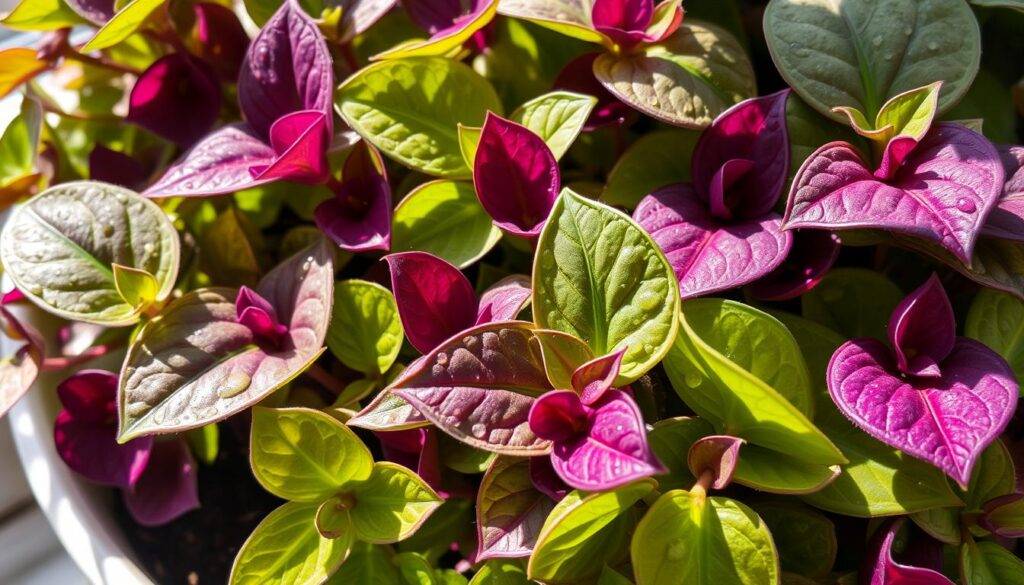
x=655, y=160
x=444, y=218
x=689, y=538
x=304, y=455
x=410, y=109
x=997, y=320
x=444, y=44
x=686, y=80
x=127, y=20
x=205, y=443
x=19, y=144
x=943, y=524
x=817, y=344
x=392, y=504
x=806, y=539
x=414, y=569
x=367, y=564
x=557, y=117
x=987, y=563
x=598, y=276
x=388, y=412
x=567, y=17
x=60, y=245
x=501, y=572
x=584, y=527
x=137, y=287
x=195, y=364
x=671, y=440
x=989, y=102
x=908, y=114
x=852, y=302
x=874, y=50
x=770, y=471
x=610, y=576
x=286, y=549
x=33, y=15
x=263, y=204
x=365, y=332
x=734, y=400
x=332, y=518
x=562, y=354
x=1015, y=4
x=993, y=476
x=510, y=509
x=227, y=251
x=469, y=141
x=451, y=522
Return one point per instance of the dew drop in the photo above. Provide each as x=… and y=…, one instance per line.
x=676, y=550
x=442, y=358
x=547, y=259
x=966, y=205
x=479, y=430
x=648, y=348
x=877, y=40
x=691, y=379
x=149, y=248
x=933, y=46
x=235, y=384
x=798, y=49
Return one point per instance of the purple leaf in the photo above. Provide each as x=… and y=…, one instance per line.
x=594, y=378
x=516, y=176
x=504, y=299
x=945, y=421
x=415, y=449
x=219, y=163
x=471, y=387
x=510, y=511
x=116, y=168
x=1001, y=516
x=709, y=256
x=358, y=217
x=287, y=69
x=85, y=432
x=435, y=301
x=943, y=192
x=1007, y=219
x=434, y=15
x=578, y=76
x=220, y=38
x=19, y=370
x=299, y=141
x=922, y=330
x=95, y=11
x=718, y=454
x=544, y=478
x=894, y=156
x=886, y=571
x=811, y=256
x=742, y=159
x=178, y=98
x=256, y=313
x=168, y=487
x=596, y=447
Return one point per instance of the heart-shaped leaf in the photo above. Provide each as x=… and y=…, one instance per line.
x=687, y=80
x=444, y=218
x=942, y=193
x=366, y=332
x=997, y=320
x=510, y=511
x=304, y=455
x=599, y=277
x=557, y=117
x=875, y=51
x=392, y=504
x=945, y=421
x=60, y=246
x=471, y=387
x=687, y=537
x=123, y=24
x=196, y=364
x=435, y=300
x=410, y=110
x=707, y=255
x=1007, y=219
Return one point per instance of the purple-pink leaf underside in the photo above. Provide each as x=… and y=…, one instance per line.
x=95, y=11
x=178, y=98
x=886, y=571
x=287, y=69
x=922, y=330
x=516, y=176
x=811, y=256
x=462, y=21
x=357, y=16
x=219, y=163
x=167, y=488
x=753, y=130
x=504, y=299
x=707, y=255
x=358, y=217
x=510, y=510
x=299, y=141
x=594, y=378
x=1007, y=219
x=476, y=386
x=434, y=298
x=945, y=421
x=944, y=191
x=612, y=450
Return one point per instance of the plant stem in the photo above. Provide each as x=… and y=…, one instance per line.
x=102, y=62
x=325, y=379
x=701, y=487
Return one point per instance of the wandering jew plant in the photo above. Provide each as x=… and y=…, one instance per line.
x=498, y=292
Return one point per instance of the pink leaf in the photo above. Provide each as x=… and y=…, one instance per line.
x=358, y=217
x=178, y=97
x=922, y=330
x=168, y=488
x=886, y=571
x=504, y=300
x=594, y=378
x=219, y=163
x=220, y=38
x=299, y=141
x=435, y=300
x=1007, y=219
x=259, y=316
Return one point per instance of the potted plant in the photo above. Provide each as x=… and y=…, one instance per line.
x=341, y=291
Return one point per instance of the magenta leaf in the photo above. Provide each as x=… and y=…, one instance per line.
x=595, y=447
x=287, y=69
x=220, y=38
x=717, y=454
x=473, y=387
x=167, y=488
x=177, y=98
x=594, y=378
x=415, y=449
x=811, y=256
x=510, y=511
x=922, y=330
x=544, y=478
x=742, y=159
x=435, y=300
x=578, y=76
x=884, y=570
x=516, y=176
x=256, y=313
x=85, y=432
x=219, y=163
x=116, y=168
x=624, y=21
x=434, y=15
x=1007, y=219
x=943, y=192
x=504, y=299
x=707, y=255
x=299, y=141
x=946, y=421
x=358, y=217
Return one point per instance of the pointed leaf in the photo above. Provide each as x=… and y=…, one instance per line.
x=510, y=510
x=196, y=364
x=127, y=20
x=922, y=330
x=562, y=354
x=504, y=300
x=20, y=65
x=59, y=246
x=1004, y=516
x=168, y=488
x=219, y=163
x=389, y=412
x=592, y=379
x=557, y=117
x=769, y=471
x=358, y=217
x=365, y=332
x=137, y=287
x=568, y=17
x=299, y=140
x=982, y=563
x=434, y=299
x=599, y=277
x=886, y=570
x=391, y=504
x=30, y=15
